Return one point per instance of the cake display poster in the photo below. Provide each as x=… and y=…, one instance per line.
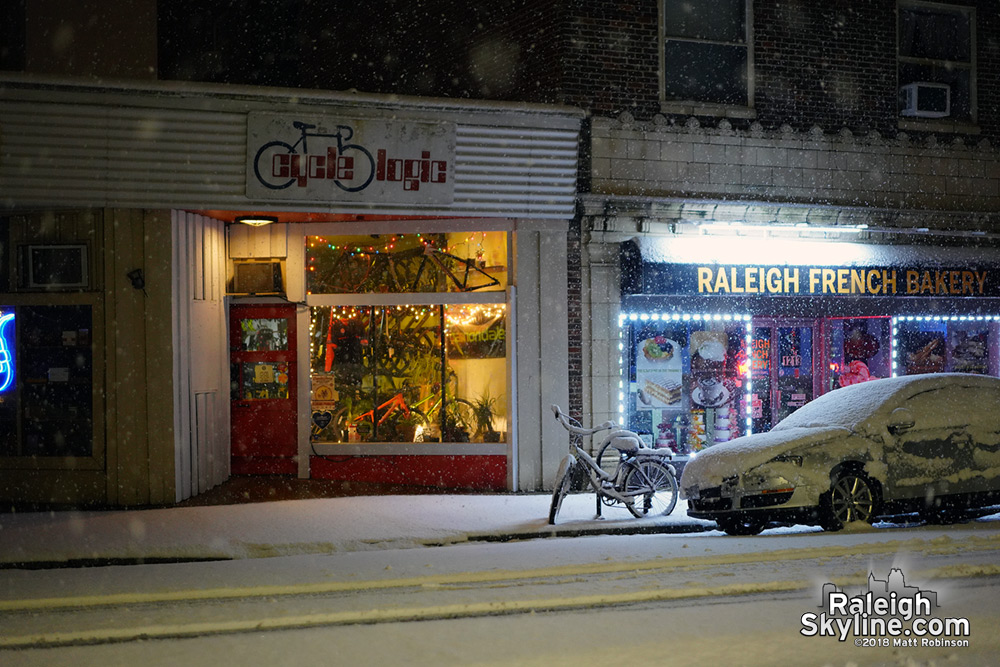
x=659, y=367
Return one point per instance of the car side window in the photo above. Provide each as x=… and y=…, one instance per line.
x=951, y=407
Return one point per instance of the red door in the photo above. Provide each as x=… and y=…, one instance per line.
x=263, y=390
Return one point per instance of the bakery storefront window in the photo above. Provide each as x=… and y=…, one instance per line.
x=687, y=379
x=407, y=362
x=954, y=344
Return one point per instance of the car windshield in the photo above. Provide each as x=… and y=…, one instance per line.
x=844, y=407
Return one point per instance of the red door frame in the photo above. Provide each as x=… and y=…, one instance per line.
x=264, y=431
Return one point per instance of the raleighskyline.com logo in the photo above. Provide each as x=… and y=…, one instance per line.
x=888, y=613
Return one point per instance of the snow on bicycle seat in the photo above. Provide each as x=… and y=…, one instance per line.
x=626, y=442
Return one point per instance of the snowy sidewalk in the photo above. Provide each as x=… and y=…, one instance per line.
x=293, y=527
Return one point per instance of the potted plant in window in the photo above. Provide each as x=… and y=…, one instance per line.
x=406, y=427
x=455, y=427
x=484, y=410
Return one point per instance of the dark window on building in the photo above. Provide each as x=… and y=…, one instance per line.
x=46, y=381
x=706, y=56
x=937, y=61
x=12, y=35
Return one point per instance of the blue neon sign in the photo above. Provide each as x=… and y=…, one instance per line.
x=6, y=357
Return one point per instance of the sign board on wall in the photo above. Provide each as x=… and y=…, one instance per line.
x=324, y=159
x=872, y=281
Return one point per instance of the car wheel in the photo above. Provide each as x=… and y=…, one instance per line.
x=741, y=525
x=852, y=497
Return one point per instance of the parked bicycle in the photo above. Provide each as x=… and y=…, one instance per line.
x=351, y=162
x=643, y=480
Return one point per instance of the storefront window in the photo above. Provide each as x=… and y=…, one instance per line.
x=858, y=350
x=409, y=373
x=411, y=361
x=46, y=381
x=688, y=379
x=406, y=263
x=959, y=344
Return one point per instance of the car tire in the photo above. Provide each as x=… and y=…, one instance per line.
x=741, y=525
x=853, y=496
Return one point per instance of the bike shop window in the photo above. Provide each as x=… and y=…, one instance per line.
x=936, y=61
x=687, y=379
x=421, y=356
x=46, y=381
x=706, y=51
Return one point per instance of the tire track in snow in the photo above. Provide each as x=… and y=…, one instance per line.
x=27, y=640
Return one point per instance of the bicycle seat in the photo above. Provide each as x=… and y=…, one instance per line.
x=626, y=442
x=299, y=125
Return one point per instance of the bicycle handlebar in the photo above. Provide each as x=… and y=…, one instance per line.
x=576, y=429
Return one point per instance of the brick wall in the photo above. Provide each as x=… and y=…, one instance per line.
x=611, y=56
x=574, y=306
x=988, y=69
x=826, y=63
x=830, y=63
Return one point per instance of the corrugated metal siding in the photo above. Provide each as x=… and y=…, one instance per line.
x=65, y=154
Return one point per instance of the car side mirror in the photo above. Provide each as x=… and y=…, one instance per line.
x=900, y=421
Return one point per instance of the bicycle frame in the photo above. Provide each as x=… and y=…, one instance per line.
x=606, y=485
x=343, y=133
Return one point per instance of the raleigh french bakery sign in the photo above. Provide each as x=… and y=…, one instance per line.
x=322, y=159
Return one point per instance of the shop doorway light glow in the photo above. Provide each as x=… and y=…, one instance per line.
x=899, y=363
x=736, y=250
x=627, y=319
x=796, y=229
x=257, y=220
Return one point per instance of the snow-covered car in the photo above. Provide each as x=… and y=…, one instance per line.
x=922, y=443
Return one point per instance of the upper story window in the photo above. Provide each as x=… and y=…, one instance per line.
x=706, y=51
x=937, y=65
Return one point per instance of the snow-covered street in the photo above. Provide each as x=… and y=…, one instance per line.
x=656, y=598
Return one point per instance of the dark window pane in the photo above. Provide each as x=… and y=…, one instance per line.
x=706, y=19
x=934, y=34
x=55, y=374
x=705, y=72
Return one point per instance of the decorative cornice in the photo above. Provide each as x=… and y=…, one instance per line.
x=844, y=136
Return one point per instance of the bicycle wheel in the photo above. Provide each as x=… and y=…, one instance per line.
x=358, y=169
x=272, y=177
x=565, y=479
x=658, y=487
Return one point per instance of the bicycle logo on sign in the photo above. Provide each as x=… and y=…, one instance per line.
x=350, y=167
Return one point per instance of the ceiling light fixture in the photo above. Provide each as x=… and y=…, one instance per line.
x=256, y=220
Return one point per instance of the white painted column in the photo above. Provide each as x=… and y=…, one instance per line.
x=542, y=358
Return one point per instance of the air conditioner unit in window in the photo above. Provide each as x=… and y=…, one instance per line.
x=257, y=278
x=926, y=100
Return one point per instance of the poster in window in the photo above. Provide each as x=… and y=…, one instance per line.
x=969, y=349
x=922, y=347
x=659, y=371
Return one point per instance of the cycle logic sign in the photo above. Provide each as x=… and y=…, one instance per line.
x=326, y=159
